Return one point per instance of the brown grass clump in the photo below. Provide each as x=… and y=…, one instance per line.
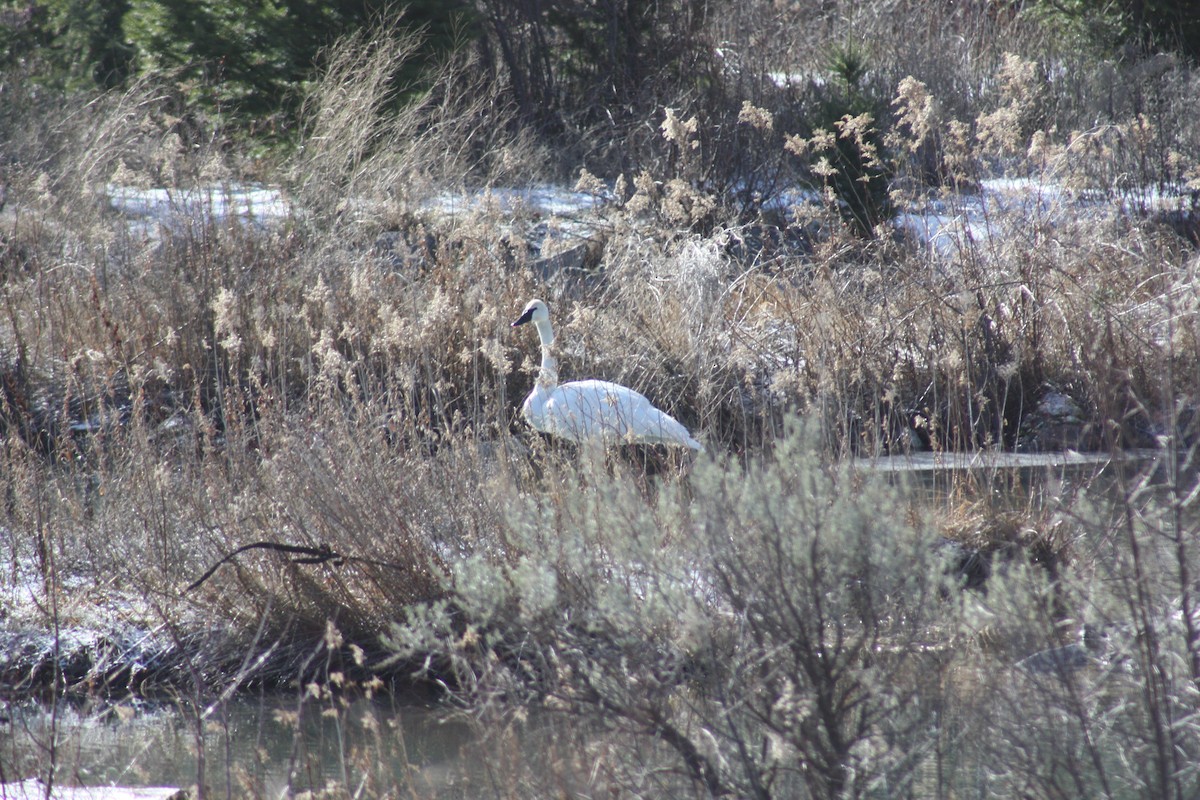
x=378, y=308
x=771, y=619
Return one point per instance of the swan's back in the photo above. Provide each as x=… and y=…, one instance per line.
x=594, y=409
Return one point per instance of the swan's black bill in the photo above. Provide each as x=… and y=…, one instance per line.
x=526, y=317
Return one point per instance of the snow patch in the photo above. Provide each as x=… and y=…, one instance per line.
x=181, y=208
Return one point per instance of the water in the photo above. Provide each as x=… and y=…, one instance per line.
x=252, y=747
x=1019, y=477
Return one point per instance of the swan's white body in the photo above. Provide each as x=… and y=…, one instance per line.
x=590, y=410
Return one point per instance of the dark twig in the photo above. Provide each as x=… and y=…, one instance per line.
x=306, y=555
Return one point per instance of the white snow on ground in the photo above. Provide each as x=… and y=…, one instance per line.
x=33, y=788
x=148, y=208
x=793, y=198
x=949, y=227
x=541, y=199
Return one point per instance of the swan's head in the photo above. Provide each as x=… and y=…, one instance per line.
x=536, y=311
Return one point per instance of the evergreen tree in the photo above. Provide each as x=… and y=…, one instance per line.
x=251, y=59
x=247, y=59
x=1125, y=26
x=71, y=44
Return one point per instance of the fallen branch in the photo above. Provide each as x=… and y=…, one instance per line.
x=307, y=555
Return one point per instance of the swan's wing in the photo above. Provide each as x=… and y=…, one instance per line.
x=591, y=409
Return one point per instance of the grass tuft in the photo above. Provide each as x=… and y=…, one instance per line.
x=932, y=245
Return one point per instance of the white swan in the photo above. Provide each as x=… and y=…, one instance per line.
x=583, y=410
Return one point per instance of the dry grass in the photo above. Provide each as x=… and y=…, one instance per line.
x=759, y=622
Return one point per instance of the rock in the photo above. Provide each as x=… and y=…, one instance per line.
x=1070, y=658
x=551, y=267
x=404, y=251
x=1058, y=406
x=1058, y=423
x=970, y=567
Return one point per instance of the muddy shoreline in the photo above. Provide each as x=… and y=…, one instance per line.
x=79, y=663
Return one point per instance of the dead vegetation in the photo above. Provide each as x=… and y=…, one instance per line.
x=762, y=623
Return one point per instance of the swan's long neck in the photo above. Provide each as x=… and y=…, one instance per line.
x=548, y=377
